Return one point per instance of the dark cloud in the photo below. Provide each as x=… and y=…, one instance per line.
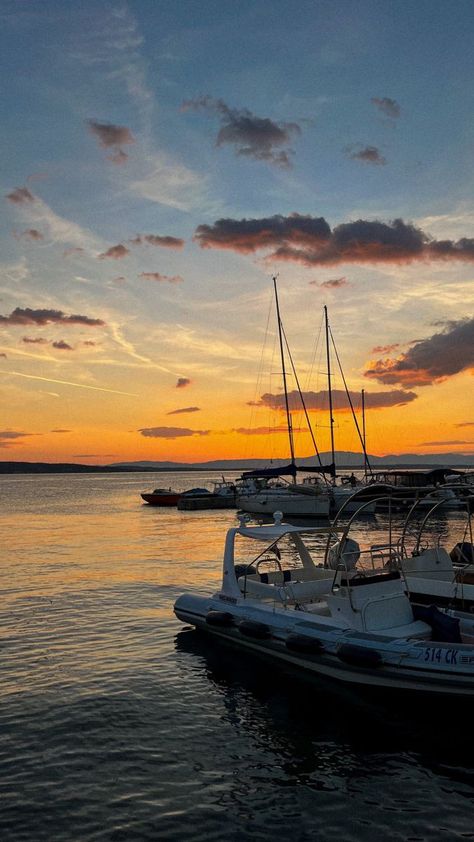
x=89, y=343
x=3, y=355
x=390, y=107
x=112, y=137
x=158, y=240
x=61, y=431
x=367, y=154
x=430, y=360
x=61, y=345
x=10, y=438
x=465, y=424
x=249, y=235
x=20, y=196
x=115, y=252
x=157, y=276
x=183, y=382
x=332, y=283
x=35, y=340
x=27, y=316
x=254, y=137
x=32, y=234
x=171, y=432
x=310, y=241
x=185, y=409
x=319, y=400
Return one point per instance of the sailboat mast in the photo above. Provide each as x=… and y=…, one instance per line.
x=282, y=355
x=331, y=419
x=363, y=434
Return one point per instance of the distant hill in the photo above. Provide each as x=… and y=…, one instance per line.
x=344, y=460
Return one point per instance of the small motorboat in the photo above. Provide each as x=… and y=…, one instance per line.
x=332, y=618
x=222, y=496
x=161, y=497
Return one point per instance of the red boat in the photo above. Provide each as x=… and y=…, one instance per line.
x=161, y=497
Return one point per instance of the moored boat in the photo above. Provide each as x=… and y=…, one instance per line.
x=331, y=619
x=161, y=497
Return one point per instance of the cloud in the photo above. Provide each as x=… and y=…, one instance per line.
x=71, y=251
x=366, y=154
x=157, y=276
x=310, y=241
x=35, y=340
x=89, y=343
x=157, y=240
x=253, y=137
x=61, y=431
x=390, y=107
x=61, y=345
x=441, y=443
x=465, y=424
x=385, y=349
x=32, y=234
x=27, y=316
x=20, y=195
x=3, y=355
x=259, y=431
x=319, y=400
x=430, y=360
x=185, y=409
x=115, y=252
x=112, y=137
x=171, y=432
x=183, y=382
x=9, y=438
x=332, y=283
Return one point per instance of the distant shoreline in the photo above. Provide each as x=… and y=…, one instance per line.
x=73, y=468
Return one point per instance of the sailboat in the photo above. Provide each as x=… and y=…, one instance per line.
x=257, y=494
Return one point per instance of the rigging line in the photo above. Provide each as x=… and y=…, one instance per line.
x=351, y=405
x=258, y=383
x=282, y=354
x=313, y=439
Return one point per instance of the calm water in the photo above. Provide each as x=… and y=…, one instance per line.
x=119, y=724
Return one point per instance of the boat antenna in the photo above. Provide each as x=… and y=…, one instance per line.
x=331, y=419
x=285, y=388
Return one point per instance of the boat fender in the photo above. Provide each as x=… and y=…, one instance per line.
x=462, y=553
x=219, y=618
x=359, y=656
x=251, y=628
x=244, y=570
x=304, y=643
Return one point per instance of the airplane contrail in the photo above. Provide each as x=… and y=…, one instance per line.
x=69, y=383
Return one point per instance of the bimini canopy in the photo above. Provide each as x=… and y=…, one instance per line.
x=274, y=531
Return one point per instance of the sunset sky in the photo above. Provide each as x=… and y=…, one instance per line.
x=163, y=160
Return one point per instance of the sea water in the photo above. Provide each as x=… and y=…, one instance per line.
x=119, y=723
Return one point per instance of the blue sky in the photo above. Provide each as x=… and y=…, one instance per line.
x=124, y=121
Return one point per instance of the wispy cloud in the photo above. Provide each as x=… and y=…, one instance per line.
x=253, y=137
x=68, y=383
x=10, y=438
x=57, y=228
x=185, y=409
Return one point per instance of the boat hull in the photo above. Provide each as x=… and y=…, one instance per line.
x=291, y=505
x=340, y=654
x=161, y=499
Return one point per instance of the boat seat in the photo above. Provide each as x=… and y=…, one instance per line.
x=290, y=591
